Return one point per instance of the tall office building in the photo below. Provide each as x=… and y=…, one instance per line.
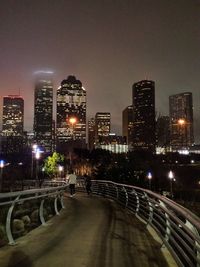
x=13, y=115
x=13, y=124
x=144, y=115
x=163, y=132
x=71, y=114
x=102, y=125
x=181, y=120
x=91, y=133
x=127, y=125
x=43, y=113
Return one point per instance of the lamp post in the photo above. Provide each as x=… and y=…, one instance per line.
x=149, y=176
x=72, y=122
x=171, y=178
x=34, y=149
x=60, y=168
x=2, y=164
x=37, y=157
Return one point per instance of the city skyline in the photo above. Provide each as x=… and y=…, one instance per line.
x=109, y=46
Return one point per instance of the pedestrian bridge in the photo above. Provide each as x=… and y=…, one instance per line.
x=118, y=225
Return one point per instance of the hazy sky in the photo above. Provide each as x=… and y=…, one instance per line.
x=106, y=44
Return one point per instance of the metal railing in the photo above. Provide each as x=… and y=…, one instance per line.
x=10, y=200
x=177, y=227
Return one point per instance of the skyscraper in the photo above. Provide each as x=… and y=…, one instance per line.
x=127, y=125
x=181, y=120
x=13, y=124
x=71, y=113
x=163, y=132
x=13, y=115
x=102, y=125
x=91, y=133
x=43, y=113
x=144, y=115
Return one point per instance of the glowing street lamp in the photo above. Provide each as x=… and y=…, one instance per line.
x=34, y=149
x=2, y=164
x=149, y=176
x=37, y=157
x=60, y=168
x=171, y=178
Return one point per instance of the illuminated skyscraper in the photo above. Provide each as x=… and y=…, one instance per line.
x=43, y=113
x=144, y=115
x=71, y=113
x=91, y=133
x=127, y=125
x=13, y=124
x=102, y=125
x=13, y=115
x=181, y=120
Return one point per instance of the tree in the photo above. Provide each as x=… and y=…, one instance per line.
x=51, y=164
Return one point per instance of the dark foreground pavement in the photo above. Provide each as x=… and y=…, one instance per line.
x=90, y=232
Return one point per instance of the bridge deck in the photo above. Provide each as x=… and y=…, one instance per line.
x=91, y=232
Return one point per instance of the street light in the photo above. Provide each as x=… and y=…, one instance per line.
x=171, y=178
x=37, y=157
x=2, y=164
x=34, y=149
x=60, y=168
x=149, y=176
x=72, y=121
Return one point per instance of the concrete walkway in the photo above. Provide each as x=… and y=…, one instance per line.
x=90, y=232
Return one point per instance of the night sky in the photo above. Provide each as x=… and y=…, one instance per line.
x=106, y=44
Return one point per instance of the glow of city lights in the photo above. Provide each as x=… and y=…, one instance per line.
x=43, y=72
x=60, y=168
x=2, y=163
x=72, y=120
x=37, y=154
x=181, y=121
x=171, y=175
x=149, y=175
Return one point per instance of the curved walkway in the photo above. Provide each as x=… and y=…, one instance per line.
x=90, y=232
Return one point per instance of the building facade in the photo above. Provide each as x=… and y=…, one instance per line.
x=13, y=124
x=127, y=125
x=144, y=115
x=91, y=134
x=71, y=114
x=43, y=114
x=13, y=115
x=102, y=125
x=181, y=120
x=113, y=143
x=163, y=133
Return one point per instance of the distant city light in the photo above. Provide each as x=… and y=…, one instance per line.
x=43, y=72
x=72, y=120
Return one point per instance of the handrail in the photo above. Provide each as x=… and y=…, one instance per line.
x=12, y=198
x=178, y=227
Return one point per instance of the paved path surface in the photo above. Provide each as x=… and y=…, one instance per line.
x=90, y=232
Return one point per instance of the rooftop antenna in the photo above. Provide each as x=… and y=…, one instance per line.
x=19, y=91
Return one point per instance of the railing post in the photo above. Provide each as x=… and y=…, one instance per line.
x=137, y=200
x=117, y=192
x=150, y=209
x=126, y=194
x=8, y=222
x=56, y=205
x=194, y=230
x=41, y=212
x=62, y=202
x=167, y=230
